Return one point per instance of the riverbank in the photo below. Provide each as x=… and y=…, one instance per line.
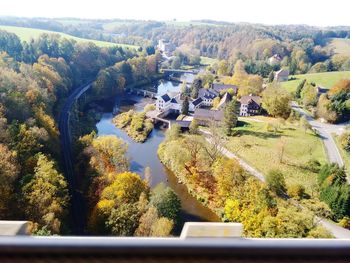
x=189, y=176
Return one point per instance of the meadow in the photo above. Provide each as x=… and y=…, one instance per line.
x=324, y=80
x=26, y=34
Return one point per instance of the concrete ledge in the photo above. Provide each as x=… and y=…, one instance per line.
x=13, y=228
x=205, y=229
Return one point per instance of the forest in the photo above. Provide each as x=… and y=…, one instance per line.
x=35, y=80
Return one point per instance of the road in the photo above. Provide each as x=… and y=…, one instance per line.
x=334, y=229
x=325, y=131
x=77, y=201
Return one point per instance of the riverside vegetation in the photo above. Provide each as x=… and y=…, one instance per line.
x=222, y=185
x=137, y=126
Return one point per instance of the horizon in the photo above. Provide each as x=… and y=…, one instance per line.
x=300, y=13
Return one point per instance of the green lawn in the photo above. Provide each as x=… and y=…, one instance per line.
x=25, y=34
x=340, y=46
x=261, y=149
x=326, y=79
x=208, y=61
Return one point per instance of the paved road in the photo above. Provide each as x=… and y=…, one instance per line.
x=77, y=207
x=334, y=229
x=325, y=130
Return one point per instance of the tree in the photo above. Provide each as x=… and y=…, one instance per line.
x=299, y=89
x=146, y=222
x=109, y=155
x=275, y=181
x=185, y=106
x=324, y=109
x=162, y=227
x=166, y=201
x=176, y=63
x=228, y=175
x=173, y=133
x=194, y=127
x=309, y=95
x=195, y=87
x=123, y=220
x=125, y=188
x=276, y=101
x=344, y=139
x=230, y=117
x=46, y=195
x=271, y=76
x=8, y=175
x=305, y=124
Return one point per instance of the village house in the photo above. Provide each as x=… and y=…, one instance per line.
x=169, y=101
x=250, y=105
x=219, y=87
x=206, y=116
x=282, y=75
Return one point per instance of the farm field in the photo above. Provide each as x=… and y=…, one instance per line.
x=340, y=46
x=325, y=80
x=262, y=149
x=25, y=34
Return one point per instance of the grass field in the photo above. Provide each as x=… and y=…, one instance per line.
x=25, y=34
x=262, y=148
x=208, y=61
x=340, y=46
x=325, y=80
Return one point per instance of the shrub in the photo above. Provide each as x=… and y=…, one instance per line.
x=296, y=191
x=276, y=182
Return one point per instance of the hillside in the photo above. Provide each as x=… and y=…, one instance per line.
x=340, y=46
x=25, y=34
x=325, y=80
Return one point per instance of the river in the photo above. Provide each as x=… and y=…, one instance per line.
x=144, y=155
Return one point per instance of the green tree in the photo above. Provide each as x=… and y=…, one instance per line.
x=195, y=87
x=166, y=201
x=173, y=133
x=123, y=220
x=299, y=89
x=176, y=63
x=309, y=95
x=276, y=182
x=344, y=139
x=185, y=106
x=230, y=117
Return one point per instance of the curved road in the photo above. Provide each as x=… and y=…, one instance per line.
x=325, y=130
x=77, y=207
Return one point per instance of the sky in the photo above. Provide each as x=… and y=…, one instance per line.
x=311, y=12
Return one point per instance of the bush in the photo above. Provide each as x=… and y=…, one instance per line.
x=296, y=191
x=313, y=165
x=276, y=182
x=345, y=222
x=344, y=140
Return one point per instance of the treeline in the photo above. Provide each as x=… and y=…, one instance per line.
x=222, y=185
x=301, y=48
x=35, y=79
x=119, y=202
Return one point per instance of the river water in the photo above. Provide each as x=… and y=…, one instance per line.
x=144, y=155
